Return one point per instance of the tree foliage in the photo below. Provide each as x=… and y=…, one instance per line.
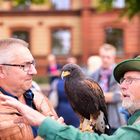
x=131, y=7
x=24, y=2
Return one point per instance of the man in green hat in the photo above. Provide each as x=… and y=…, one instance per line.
x=127, y=74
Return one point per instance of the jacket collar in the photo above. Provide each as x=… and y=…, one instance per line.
x=134, y=117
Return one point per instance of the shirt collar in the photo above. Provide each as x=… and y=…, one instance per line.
x=28, y=95
x=7, y=93
x=134, y=117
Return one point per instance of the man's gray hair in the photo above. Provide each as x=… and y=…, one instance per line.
x=8, y=48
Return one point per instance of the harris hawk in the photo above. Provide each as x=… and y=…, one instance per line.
x=86, y=98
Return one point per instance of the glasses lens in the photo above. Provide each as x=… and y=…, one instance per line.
x=27, y=66
x=126, y=80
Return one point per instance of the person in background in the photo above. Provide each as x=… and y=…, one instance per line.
x=93, y=63
x=60, y=102
x=127, y=74
x=17, y=68
x=104, y=76
x=72, y=60
x=53, y=68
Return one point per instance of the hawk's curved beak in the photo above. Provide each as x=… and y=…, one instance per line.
x=64, y=74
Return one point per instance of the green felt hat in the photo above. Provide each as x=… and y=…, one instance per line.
x=125, y=66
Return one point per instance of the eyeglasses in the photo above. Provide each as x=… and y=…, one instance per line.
x=128, y=81
x=26, y=67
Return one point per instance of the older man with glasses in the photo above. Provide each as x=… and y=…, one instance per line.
x=17, y=68
x=127, y=74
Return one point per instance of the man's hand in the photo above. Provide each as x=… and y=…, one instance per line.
x=31, y=116
x=28, y=115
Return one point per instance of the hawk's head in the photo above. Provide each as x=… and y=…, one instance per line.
x=71, y=70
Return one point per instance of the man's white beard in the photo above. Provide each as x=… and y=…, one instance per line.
x=130, y=105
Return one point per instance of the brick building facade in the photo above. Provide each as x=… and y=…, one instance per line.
x=83, y=30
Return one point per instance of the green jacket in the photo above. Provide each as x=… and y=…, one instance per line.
x=52, y=130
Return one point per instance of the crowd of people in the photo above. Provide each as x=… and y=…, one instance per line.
x=27, y=114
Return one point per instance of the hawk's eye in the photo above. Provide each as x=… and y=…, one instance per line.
x=69, y=70
x=72, y=69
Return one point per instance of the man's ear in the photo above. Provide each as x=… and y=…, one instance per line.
x=1, y=72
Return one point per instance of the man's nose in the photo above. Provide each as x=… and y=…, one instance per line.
x=123, y=85
x=32, y=70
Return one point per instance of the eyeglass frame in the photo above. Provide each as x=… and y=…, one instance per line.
x=27, y=65
x=128, y=80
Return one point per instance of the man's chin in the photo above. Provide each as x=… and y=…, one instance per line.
x=127, y=104
x=27, y=87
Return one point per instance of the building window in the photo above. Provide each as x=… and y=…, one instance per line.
x=61, y=41
x=24, y=35
x=118, y=3
x=61, y=4
x=114, y=36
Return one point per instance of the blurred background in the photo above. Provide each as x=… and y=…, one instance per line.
x=72, y=28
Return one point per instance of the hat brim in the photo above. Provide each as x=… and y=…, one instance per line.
x=125, y=66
